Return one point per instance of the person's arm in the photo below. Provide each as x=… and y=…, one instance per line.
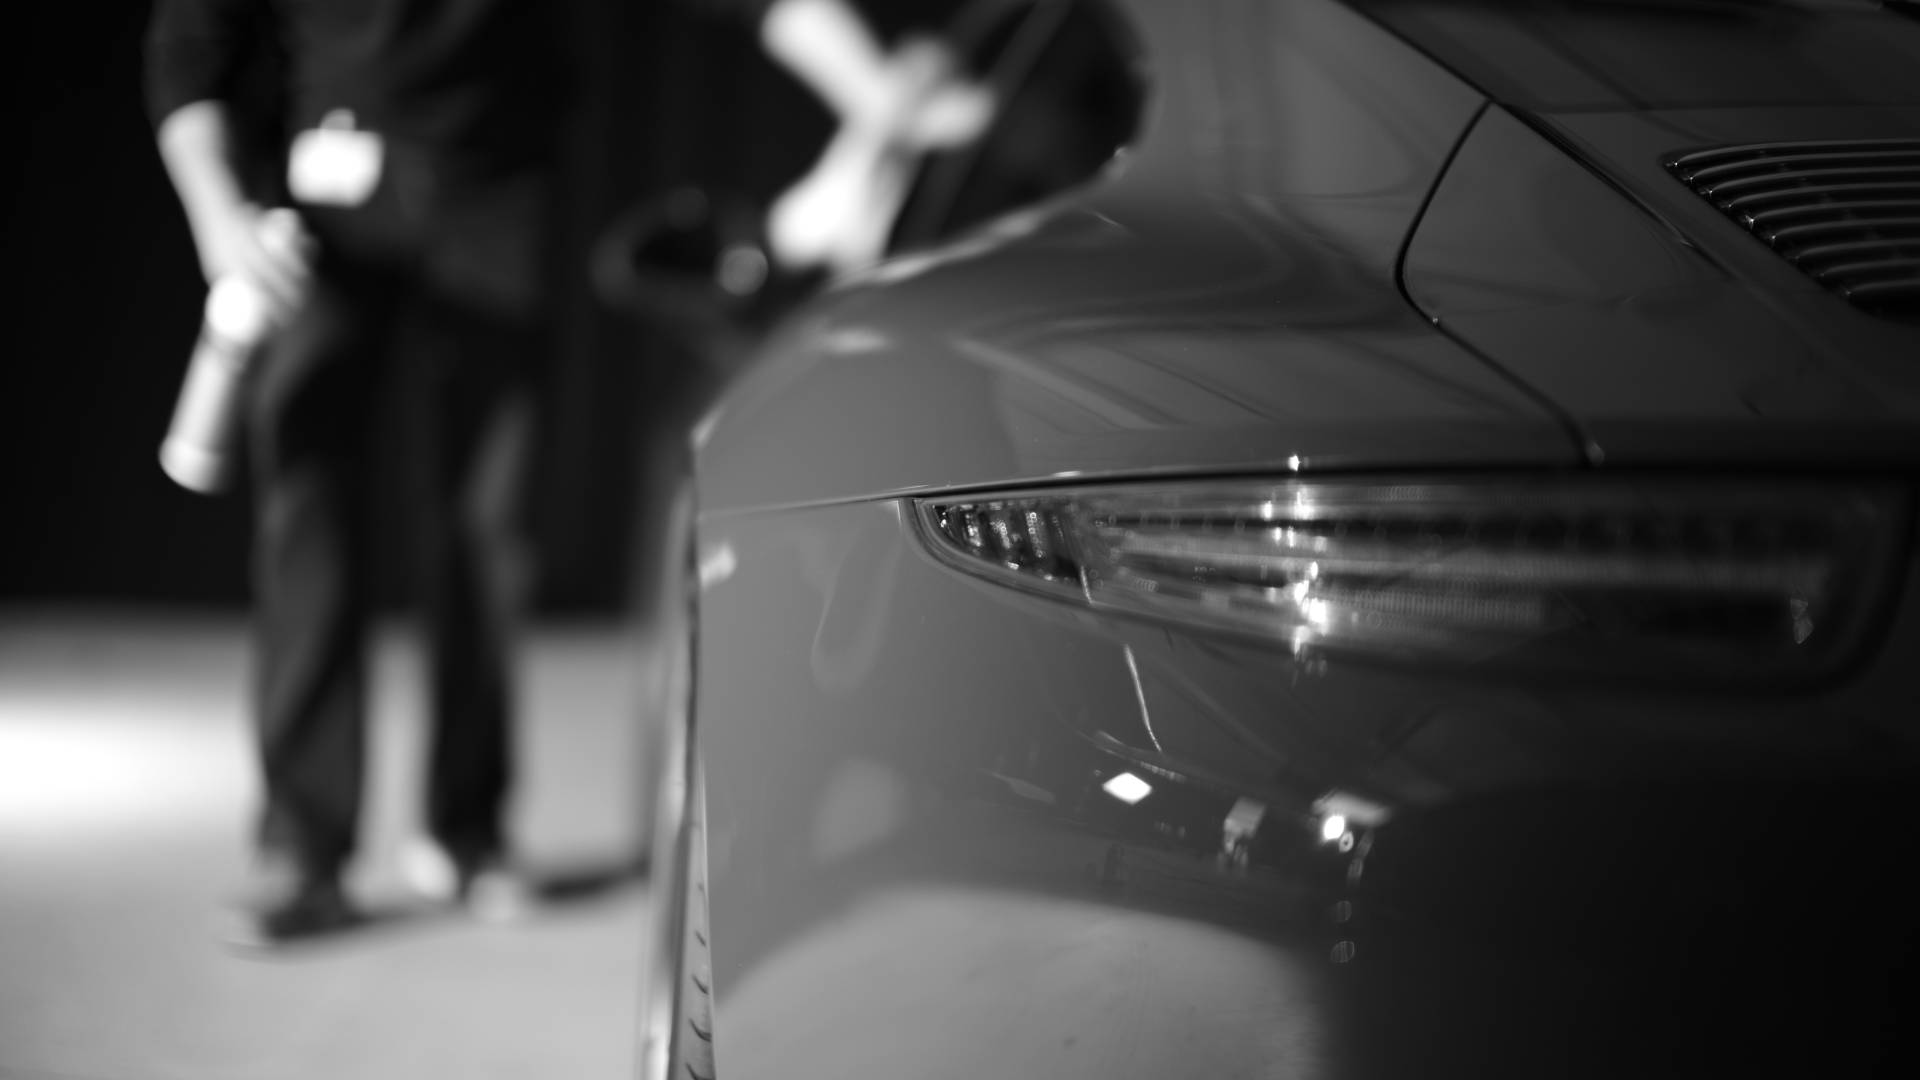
x=892, y=107
x=830, y=48
x=193, y=50
x=914, y=95
x=197, y=146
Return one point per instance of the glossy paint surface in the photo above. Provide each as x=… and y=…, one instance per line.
x=1664, y=331
x=958, y=829
x=1553, y=56
x=1225, y=300
x=913, y=845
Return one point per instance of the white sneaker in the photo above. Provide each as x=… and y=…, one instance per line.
x=490, y=890
x=429, y=871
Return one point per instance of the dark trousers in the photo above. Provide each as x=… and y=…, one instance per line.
x=431, y=291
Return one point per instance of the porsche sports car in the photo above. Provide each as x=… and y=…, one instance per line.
x=1349, y=537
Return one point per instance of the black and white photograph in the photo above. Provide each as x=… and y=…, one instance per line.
x=950, y=539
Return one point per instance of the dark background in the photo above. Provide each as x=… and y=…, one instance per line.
x=103, y=298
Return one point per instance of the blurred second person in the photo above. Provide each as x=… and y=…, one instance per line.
x=415, y=139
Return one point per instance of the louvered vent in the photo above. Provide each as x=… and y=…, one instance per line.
x=1845, y=212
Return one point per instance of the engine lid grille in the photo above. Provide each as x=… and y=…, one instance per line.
x=1847, y=213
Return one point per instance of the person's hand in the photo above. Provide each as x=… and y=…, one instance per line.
x=929, y=104
x=269, y=248
x=839, y=215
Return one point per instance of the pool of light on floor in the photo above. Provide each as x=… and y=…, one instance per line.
x=73, y=761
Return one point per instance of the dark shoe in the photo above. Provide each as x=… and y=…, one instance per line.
x=487, y=886
x=291, y=907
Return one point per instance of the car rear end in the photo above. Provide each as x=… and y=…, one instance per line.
x=1442, y=605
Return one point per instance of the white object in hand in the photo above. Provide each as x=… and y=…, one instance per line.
x=335, y=164
x=199, y=449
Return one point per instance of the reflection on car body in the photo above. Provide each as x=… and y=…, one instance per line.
x=1379, y=566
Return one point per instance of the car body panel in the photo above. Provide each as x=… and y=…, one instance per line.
x=1218, y=303
x=1753, y=361
x=905, y=766
x=1570, y=56
x=917, y=866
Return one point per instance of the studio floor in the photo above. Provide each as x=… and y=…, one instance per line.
x=126, y=791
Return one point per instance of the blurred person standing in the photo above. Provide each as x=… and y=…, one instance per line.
x=416, y=140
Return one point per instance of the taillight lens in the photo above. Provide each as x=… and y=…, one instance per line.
x=1656, y=577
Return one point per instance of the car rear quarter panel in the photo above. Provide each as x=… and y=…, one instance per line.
x=918, y=871
x=916, y=868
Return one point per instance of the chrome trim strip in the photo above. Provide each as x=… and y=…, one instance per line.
x=1813, y=192
x=1839, y=209
x=1908, y=249
x=1811, y=145
x=1863, y=227
x=1788, y=161
x=1801, y=179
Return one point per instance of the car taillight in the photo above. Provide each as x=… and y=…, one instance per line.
x=1704, y=579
